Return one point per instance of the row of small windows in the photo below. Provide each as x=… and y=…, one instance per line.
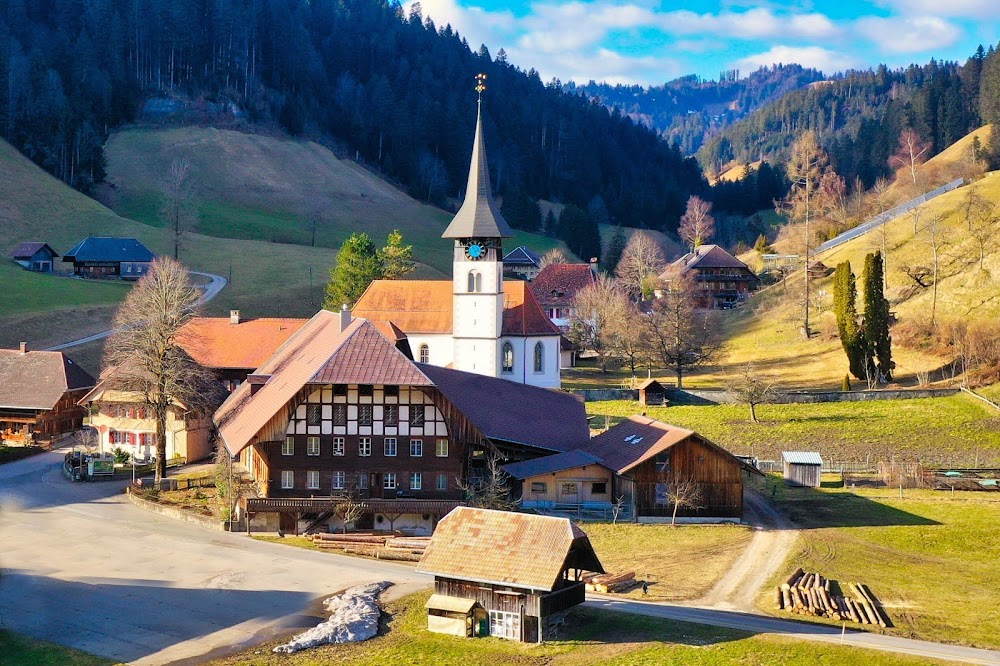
x=507, y=357
x=389, y=447
x=338, y=481
x=366, y=414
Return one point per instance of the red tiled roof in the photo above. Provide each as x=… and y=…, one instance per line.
x=557, y=284
x=367, y=357
x=426, y=306
x=38, y=379
x=215, y=342
x=505, y=548
x=634, y=440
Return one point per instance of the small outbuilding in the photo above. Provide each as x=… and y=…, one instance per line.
x=504, y=574
x=801, y=468
x=568, y=481
x=35, y=256
x=103, y=257
x=652, y=392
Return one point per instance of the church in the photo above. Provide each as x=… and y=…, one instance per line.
x=477, y=322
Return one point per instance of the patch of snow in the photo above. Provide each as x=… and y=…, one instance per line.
x=353, y=618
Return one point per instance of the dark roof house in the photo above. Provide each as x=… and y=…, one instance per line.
x=522, y=261
x=723, y=280
x=35, y=256
x=98, y=256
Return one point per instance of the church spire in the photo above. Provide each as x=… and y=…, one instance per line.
x=479, y=216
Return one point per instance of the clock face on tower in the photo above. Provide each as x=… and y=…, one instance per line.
x=476, y=250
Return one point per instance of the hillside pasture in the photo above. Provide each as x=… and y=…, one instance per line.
x=952, y=431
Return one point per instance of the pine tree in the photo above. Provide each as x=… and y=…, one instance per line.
x=396, y=258
x=761, y=245
x=613, y=252
x=845, y=308
x=358, y=263
x=876, y=320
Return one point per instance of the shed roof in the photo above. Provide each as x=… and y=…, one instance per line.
x=650, y=383
x=101, y=248
x=801, y=457
x=550, y=464
x=443, y=602
x=505, y=548
x=38, y=379
x=216, y=342
x=28, y=249
x=558, y=284
x=522, y=256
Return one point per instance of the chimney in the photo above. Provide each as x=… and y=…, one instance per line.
x=345, y=317
x=593, y=266
x=24, y=347
x=234, y=316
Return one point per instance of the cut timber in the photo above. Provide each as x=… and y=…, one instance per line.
x=786, y=598
x=869, y=598
x=791, y=580
x=778, y=603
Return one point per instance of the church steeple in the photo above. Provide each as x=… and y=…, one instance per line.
x=479, y=216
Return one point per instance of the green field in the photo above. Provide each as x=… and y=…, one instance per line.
x=946, y=431
x=590, y=637
x=931, y=557
x=24, y=291
x=18, y=650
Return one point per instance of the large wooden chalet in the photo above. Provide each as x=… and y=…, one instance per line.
x=105, y=257
x=504, y=574
x=723, y=280
x=38, y=395
x=341, y=412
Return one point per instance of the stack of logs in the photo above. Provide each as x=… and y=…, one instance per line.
x=605, y=583
x=809, y=594
x=379, y=546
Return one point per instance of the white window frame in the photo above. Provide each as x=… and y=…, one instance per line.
x=425, y=354
x=416, y=481
x=390, y=447
x=389, y=481
x=364, y=446
x=338, y=446
x=339, y=479
x=288, y=447
x=287, y=479
x=439, y=446
x=312, y=480
x=312, y=446
x=442, y=482
x=363, y=481
x=504, y=624
x=416, y=448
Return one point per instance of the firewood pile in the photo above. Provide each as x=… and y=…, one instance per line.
x=806, y=593
x=379, y=546
x=605, y=583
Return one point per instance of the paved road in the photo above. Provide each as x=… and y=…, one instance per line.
x=211, y=290
x=81, y=566
x=812, y=632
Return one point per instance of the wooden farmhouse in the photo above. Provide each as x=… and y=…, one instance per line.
x=652, y=392
x=801, y=468
x=103, y=257
x=340, y=413
x=639, y=459
x=504, y=574
x=723, y=280
x=33, y=256
x=38, y=395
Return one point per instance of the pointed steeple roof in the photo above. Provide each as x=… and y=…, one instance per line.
x=479, y=216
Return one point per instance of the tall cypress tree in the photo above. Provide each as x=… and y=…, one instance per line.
x=876, y=320
x=845, y=293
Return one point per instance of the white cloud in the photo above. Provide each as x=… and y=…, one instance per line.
x=981, y=9
x=914, y=34
x=818, y=57
x=757, y=23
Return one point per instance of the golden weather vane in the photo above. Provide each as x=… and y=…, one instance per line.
x=480, y=85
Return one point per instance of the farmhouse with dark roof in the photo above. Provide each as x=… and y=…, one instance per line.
x=102, y=257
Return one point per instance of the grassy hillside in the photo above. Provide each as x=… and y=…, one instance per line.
x=259, y=187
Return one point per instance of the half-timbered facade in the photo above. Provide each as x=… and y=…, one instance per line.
x=340, y=413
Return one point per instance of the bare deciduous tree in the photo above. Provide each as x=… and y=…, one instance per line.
x=683, y=335
x=640, y=265
x=683, y=493
x=937, y=236
x=982, y=217
x=751, y=388
x=599, y=309
x=349, y=508
x=489, y=490
x=630, y=336
x=910, y=154
x=553, y=256
x=697, y=224
x=179, y=209
x=617, y=507
x=880, y=200
x=146, y=358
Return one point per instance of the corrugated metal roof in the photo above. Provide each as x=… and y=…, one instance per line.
x=801, y=457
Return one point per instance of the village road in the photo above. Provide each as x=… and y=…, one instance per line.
x=81, y=566
x=209, y=291
x=811, y=632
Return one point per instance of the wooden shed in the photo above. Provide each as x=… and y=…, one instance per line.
x=652, y=392
x=512, y=571
x=801, y=468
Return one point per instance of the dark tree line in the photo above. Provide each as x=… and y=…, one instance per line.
x=391, y=87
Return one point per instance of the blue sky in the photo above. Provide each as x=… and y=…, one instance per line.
x=650, y=42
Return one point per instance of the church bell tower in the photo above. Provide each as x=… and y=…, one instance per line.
x=478, y=230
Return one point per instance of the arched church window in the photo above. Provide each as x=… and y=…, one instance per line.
x=539, y=357
x=508, y=357
x=425, y=354
x=475, y=282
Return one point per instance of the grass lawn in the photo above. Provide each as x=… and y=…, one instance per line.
x=590, y=637
x=682, y=562
x=27, y=292
x=17, y=650
x=930, y=557
x=946, y=431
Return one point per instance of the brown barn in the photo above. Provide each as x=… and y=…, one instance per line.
x=648, y=456
x=504, y=574
x=38, y=395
